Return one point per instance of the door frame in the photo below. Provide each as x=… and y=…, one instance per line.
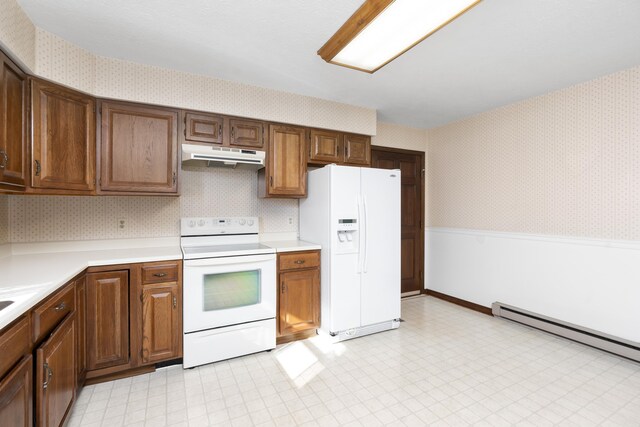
x=421, y=155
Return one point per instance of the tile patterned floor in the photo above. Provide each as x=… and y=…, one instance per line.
x=445, y=366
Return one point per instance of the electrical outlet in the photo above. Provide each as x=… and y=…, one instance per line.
x=121, y=224
x=290, y=220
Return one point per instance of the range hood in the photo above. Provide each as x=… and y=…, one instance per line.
x=204, y=155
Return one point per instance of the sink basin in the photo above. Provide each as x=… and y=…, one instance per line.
x=5, y=304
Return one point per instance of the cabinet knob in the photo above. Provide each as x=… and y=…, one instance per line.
x=159, y=274
x=298, y=261
x=60, y=306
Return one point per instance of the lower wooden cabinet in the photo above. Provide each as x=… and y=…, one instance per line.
x=107, y=311
x=56, y=374
x=161, y=322
x=16, y=396
x=81, y=321
x=299, y=292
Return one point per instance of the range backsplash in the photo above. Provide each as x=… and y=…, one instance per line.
x=204, y=192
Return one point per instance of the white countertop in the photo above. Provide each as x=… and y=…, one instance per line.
x=292, y=245
x=32, y=272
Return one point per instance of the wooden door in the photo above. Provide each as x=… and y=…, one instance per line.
x=411, y=165
x=107, y=311
x=325, y=146
x=56, y=375
x=287, y=162
x=63, y=139
x=161, y=322
x=16, y=397
x=201, y=127
x=299, y=302
x=13, y=125
x=138, y=149
x=246, y=133
x=357, y=150
x=81, y=318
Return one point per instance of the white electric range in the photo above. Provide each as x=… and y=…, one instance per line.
x=229, y=287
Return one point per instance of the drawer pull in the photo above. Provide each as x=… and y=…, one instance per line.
x=159, y=274
x=60, y=306
x=49, y=374
x=299, y=261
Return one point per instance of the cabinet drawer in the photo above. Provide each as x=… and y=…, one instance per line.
x=14, y=343
x=296, y=260
x=161, y=272
x=48, y=315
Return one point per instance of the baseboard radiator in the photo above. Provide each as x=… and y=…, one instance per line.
x=615, y=345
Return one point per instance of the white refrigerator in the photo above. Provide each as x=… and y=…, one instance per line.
x=354, y=213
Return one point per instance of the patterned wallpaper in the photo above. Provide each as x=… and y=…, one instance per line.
x=397, y=136
x=4, y=219
x=565, y=163
x=17, y=33
x=204, y=192
x=68, y=64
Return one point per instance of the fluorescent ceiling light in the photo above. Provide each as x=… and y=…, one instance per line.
x=381, y=30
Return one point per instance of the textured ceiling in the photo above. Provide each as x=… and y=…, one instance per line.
x=499, y=52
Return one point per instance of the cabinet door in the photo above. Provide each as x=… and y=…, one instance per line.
x=325, y=147
x=64, y=138
x=13, y=125
x=287, y=162
x=138, y=149
x=16, y=401
x=81, y=318
x=357, y=149
x=202, y=128
x=246, y=133
x=161, y=322
x=107, y=311
x=56, y=375
x=299, y=301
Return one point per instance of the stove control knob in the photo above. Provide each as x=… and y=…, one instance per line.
x=242, y=222
x=201, y=223
x=192, y=223
x=250, y=222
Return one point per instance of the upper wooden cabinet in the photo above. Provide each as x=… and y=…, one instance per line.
x=246, y=133
x=13, y=126
x=200, y=127
x=357, y=150
x=285, y=174
x=139, y=149
x=327, y=146
x=222, y=130
x=63, y=148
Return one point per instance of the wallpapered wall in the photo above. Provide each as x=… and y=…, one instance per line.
x=565, y=163
x=4, y=219
x=204, y=192
x=17, y=33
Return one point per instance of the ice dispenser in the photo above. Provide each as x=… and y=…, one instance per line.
x=347, y=235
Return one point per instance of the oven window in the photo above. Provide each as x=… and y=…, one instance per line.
x=229, y=290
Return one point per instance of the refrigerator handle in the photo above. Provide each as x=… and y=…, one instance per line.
x=364, y=233
x=360, y=214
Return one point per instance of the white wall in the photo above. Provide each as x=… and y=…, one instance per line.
x=593, y=283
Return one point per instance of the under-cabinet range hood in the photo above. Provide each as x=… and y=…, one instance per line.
x=204, y=155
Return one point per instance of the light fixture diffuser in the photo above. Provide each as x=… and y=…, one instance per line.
x=381, y=30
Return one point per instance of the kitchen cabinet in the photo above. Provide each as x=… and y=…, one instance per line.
x=161, y=296
x=16, y=395
x=357, y=150
x=138, y=149
x=325, y=147
x=63, y=151
x=13, y=126
x=107, y=319
x=285, y=174
x=299, y=293
x=55, y=386
x=207, y=128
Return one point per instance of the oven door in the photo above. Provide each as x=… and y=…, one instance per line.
x=228, y=291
